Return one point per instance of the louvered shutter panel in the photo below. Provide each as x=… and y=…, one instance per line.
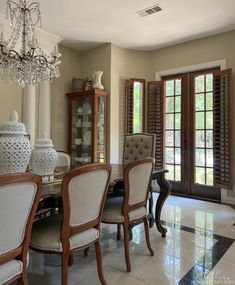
x=223, y=129
x=129, y=101
x=155, y=118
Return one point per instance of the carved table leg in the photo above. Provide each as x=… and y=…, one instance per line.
x=151, y=217
x=118, y=231
x=71, y=259
x=165, y=190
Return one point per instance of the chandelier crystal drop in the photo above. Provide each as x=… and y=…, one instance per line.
x=21, y=58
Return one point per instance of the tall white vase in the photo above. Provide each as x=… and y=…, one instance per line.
x=97, y=79
x=15, y=147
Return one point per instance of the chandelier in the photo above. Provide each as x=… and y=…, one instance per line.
x=21, y=58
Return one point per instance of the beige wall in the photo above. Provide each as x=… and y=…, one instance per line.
x=69, y=68
x=118, y=64
x=125, y=64
x=10, y=99
x=194, y=52
x=212, y=48
x=99, y=59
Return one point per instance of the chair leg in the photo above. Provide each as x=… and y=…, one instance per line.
x=146, y=228
x=99, y=263
x=126, y=246
x=86, y=251
x=65, y=265
x=23, y=280
x=119, y=231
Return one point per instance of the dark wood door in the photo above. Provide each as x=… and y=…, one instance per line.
x=188, y=134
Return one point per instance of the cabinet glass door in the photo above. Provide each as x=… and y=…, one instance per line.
x=100, y=157
x=81, y=130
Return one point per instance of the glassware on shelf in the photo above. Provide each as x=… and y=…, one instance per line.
x=87, y=126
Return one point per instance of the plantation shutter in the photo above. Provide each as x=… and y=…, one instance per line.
x=223, y=129
x=129, y=105
x=155, y=118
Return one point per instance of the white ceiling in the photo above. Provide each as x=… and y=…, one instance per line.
x=88, y=23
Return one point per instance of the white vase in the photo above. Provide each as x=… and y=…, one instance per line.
x=15, y=147
x=44, y=157
x=97, y=79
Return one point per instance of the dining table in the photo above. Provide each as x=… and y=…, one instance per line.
x=51, y=192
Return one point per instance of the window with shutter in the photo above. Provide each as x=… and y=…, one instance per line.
x=134, y=105
x=193, y=125
x=155, y=118
x=223, y=129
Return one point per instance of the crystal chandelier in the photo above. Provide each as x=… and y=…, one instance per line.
x=21, y=58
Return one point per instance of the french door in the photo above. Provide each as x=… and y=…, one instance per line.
x=188, y=150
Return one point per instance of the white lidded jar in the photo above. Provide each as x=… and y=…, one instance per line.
x=44, y=157
x=15, y=147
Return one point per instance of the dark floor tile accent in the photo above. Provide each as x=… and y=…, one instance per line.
x=203, y=267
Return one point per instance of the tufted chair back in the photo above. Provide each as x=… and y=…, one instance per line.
x=138, y=146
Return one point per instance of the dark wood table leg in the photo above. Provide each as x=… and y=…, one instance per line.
x=165, y=190
x=151, y=216
x=71, y=259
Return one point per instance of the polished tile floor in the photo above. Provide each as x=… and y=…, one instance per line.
x=199, y=248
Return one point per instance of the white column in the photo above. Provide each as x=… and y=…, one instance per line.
x=44, y=115
x=29, y=111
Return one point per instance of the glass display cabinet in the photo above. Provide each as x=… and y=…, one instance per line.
x=87, y=126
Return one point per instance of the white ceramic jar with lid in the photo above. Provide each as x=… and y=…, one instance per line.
x=15, y=147
x=44, y=157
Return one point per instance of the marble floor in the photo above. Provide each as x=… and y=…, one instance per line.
x=198, y=249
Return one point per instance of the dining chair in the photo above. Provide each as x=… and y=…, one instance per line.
x=133, y=206
x=137, y=146
x=64, y=159
x=19, y=198
x=84, y=190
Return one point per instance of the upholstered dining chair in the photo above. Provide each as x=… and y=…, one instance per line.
x=19, y=198
x=133, y=206
x=84, y=190
x=138, y=146
x=64, y=159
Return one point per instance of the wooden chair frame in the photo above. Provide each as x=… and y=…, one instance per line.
x=20, y=252
x=67, y=231
x=127, y=208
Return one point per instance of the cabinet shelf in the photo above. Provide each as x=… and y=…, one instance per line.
x=91, y=126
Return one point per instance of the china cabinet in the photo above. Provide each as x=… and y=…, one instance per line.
x=87, y=126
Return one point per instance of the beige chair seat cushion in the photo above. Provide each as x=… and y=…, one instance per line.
x=113, y=211
x=46, y=235
x=9, y=270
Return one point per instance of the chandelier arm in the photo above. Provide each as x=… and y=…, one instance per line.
x=43, y=60
x=34, y=9
x=9, y=2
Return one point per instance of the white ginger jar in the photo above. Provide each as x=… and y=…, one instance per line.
x=97, y=79
x=15, y=147
x=44, y=157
